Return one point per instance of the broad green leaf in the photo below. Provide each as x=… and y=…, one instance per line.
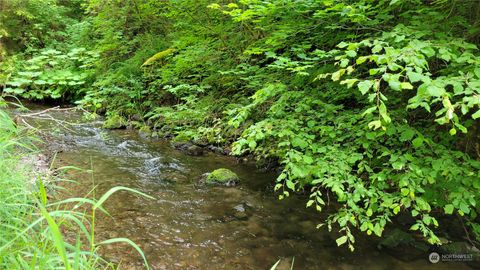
x=406, y=85
x=351, y=53
x=395, y=85
x=448, y=209
x=290, y=184
x=435, y=91
x=299, y=142
x=417, y=142
x=477, y=72
x=364, y=86
x=476, y=115
x=349, y=82
x=383, y=113
x=464, y=208
x=407, y=135
x=310, y=203
x=360, y=60
x=414, y=76
x=369, y=110
x=342, y=240
x=377, y=48
x=375, y=124
x=337, y=74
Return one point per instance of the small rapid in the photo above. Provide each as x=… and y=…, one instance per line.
x=190, y=226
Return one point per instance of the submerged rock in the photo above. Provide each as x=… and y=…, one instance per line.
x=459, y=248
x=222, y=176
x=188, y=148
x=239, y=208
x=218, y=150
x=180, y=145
x=396, y=238
x=202, y=179
x=402, y=245
x=174, y=177
x=194, y=150
x=123, y=145
x=240, y=212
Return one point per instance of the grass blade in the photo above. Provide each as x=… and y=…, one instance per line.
x=131, y=243
x=116, y=189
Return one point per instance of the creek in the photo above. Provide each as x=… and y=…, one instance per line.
x=192, y=226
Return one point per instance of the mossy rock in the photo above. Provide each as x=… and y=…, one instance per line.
x=145, y=131
x=223, y=176
x=182, y=137
x=458, y=248
x=402, y=245
x=115, y=122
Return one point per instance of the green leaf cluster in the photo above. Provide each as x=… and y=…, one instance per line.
x=371, y=107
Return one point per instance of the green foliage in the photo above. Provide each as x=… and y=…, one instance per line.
x=370, y=106
x=28, y=24
x=399, y=61
x=377, y=160
x=32, y=231
x=115, y=121
x=52, y=74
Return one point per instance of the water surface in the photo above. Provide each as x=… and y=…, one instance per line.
x=190, y=226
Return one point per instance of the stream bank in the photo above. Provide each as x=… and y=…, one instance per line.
x=190, y=226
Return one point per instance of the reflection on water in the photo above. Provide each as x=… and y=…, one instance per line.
x=190, y=226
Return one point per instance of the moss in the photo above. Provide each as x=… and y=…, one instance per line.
x=115, y=121
x=158, y=56
x=222, y=176
x=183, y=137
x=145, y=130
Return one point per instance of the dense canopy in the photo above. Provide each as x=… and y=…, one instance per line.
x=370, y=107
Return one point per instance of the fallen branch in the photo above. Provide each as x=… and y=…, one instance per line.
x=43, y=115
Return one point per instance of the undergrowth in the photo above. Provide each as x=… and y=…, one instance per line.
x=32, y=226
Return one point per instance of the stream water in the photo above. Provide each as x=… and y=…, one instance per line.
x=190, y=226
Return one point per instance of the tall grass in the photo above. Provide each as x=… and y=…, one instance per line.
x=32, y=229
